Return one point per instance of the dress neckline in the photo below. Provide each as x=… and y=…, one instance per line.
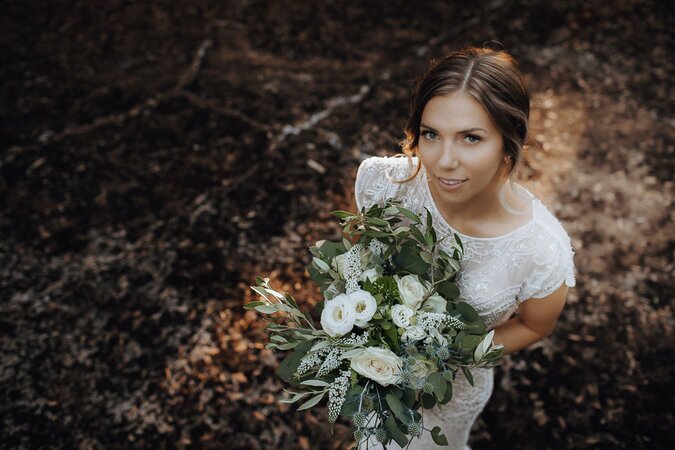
x=437, y=212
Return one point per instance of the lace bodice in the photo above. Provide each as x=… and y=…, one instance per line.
x=497, y=274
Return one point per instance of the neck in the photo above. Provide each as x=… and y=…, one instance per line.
x=481, y=208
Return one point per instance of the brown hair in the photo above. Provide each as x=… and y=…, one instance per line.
x=493, y=79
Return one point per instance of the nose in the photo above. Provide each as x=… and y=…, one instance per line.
x=447, y=159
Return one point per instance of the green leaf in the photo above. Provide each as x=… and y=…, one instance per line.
x=448, y=290
x=483, y=347
x=311, y=402
x=375, y=234
x=470, y=342
x=261, y=292
x=459, y=241
x=438, y=438
x=290, y=364
x=454, y=264
x=252, y=305
x=401, y=230
x=397, y=407
x=439, y=385
x=352, y=400
x=341, y=214
x=467, y=374
x=468, y=313
x=293, y=398
x=393, y=336
x=321, y=264
x=409, y=260
x=330, y=249
x=409, y=398
x=428, y=400
x=266, y=309
x=426, y=256
x=395, y=432
x=448, y=394
x=316, y=383
x=409, y=214
x=322, y=280
x=377, y=222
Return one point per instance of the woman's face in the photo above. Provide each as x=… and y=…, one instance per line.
x=461, y=150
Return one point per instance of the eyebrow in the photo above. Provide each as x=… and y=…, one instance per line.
x=459, y=132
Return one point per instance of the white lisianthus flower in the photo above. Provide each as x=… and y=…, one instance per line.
x=378, y=364
x=401, y=315
x=338, y=316
x=438, y=337
x=339, y=262
x=414, y=333
x=364, y=305
x=371, y=274
x=411, y=290
x=435, y=303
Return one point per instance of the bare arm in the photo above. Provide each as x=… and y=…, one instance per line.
x=536, y=320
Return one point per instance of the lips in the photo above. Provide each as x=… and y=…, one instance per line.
x=451, y=181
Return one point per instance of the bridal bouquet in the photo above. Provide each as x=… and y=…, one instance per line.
x=392, y=333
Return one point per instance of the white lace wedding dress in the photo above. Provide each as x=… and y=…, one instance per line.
x=497, y=274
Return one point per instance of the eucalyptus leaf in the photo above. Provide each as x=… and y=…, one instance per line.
x=352, y=400
x=399, y=410
x=448, y=394
x=409, y=260
x=428, y=400
x=438, y=438
x=438, y=384
x=395, y=432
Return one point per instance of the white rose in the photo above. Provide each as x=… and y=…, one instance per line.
x=364, y=305
x=378, y=364
x=371, y=274
x=401, y=315
x=435, y=303
x=338, y=316
x=411, y=291
x=414, y=333
x=421, y=368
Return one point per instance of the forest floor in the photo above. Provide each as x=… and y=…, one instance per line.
x=156, y=156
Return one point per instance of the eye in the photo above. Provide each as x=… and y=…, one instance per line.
x=430, y=135
x=473, y=139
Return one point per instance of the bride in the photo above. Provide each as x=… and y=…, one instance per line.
x=465, y=138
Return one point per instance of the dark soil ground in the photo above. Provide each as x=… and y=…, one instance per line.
x=156, y=156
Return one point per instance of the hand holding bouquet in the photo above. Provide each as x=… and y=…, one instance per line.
x=393, y=334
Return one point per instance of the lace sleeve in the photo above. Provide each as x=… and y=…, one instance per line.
x=551, y=265
x=374, y=179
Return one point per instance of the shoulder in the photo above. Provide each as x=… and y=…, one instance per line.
x=381, y=166
x=375, y=178
x=550, y=260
